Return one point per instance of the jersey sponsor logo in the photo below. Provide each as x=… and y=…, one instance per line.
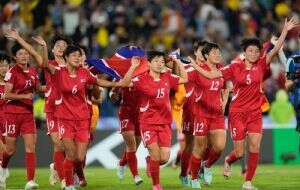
x=188, y=94
x=47, y=94
x=199, y=97
x=145, y=108
x=235, y=96
x=57, y=102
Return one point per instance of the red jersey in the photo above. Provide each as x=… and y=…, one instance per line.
x=129, y=103
x=23, y=81
x=50, y=94
x=154, y=97
x=209, y=100
x=72, y=104
x=247, y=90
x=2, y=101
x=190, y=90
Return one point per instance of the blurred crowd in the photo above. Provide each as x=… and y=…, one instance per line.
x=104, y=25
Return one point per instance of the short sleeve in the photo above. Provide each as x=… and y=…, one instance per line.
x=10, y=77
x=227, y=71
x=173, y=80
x=137, y=84
x=91, y=78
x=262, y=62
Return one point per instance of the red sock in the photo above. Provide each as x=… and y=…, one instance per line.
x=154, y=171
x=78, y=169
x=68, y=171
x=185, y=161
x=213, y=156
x=132, y=163
x=123, y=160
x=59, y=158
x=195, y=166
x=206, y=153
x=231, y=158
x=30, y=165
x=5, y=160
x=251, y=165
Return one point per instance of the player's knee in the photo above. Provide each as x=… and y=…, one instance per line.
x=239, y=153
x=219, y=147
x=254, y=148
x=164, y=159
x=10, y=150
x=30, y=148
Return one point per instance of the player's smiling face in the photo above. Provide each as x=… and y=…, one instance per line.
x=214, y=56
x=22, y=57
x=59, y=48
x=157, y=64
x=74, y=59
x=252, y=53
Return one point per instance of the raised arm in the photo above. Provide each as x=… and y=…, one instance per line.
x=39, y=40
x=13, y=34
x=183, y=77
x=288, y=25
x=207, y=74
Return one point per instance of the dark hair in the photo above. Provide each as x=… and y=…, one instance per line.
x=250, y=42
x=71, y=49
x=208, y=47
x=4, y=57
x=84, y=49
x=15, y=48
x=57, y=38
x=152, y=54
x=199, y=44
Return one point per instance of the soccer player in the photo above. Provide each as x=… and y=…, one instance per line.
x=188, y=113
x=4, y=64
x=130, y=130
x=209, y=123
x=155, y=116
x=21, y=82
x=59, y=44
x=72, y=110
x=245, y=115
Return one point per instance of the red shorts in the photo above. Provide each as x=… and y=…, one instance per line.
x=17, y=124
x=130, y=124
x=241, y=123
x=74, y=129
x=203, y=125
x=51, y=122
x=152, y=133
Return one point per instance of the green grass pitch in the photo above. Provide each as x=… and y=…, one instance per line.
x=268, y=177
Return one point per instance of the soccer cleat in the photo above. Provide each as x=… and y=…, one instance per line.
x=207, y=175
x=30, y=185
x=227, y=169
x=200, y=173
x=157, y=187
x=121, y=172
x=3, y=176
x=195, y=184
x=53, y=178
x=185, y=181
x=138, y=180
x=248, y=186
x=148, y=166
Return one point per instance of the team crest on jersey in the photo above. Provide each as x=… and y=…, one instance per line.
x=82, y=80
